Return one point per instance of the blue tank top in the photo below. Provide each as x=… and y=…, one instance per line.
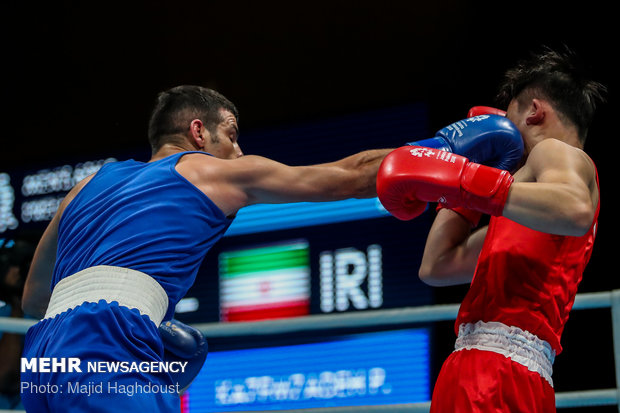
x=143, y=216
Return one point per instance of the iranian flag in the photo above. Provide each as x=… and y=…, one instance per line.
x=265, y=283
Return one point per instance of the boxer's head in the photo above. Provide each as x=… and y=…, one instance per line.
x=558, y=79
x=182, y=108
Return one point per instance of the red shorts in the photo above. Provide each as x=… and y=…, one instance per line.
x=476, y=381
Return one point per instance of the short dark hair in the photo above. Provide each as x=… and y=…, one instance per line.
x=559, y=77
x=175, y=108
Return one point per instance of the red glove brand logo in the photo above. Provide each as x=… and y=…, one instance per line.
x=420, y=152
x=446, y=156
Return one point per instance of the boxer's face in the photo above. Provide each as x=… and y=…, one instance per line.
x=222, y=142
x=515, y=115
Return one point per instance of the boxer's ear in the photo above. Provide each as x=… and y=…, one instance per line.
x=197, y=131
x=536, y=113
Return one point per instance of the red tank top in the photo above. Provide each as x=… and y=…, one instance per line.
x=528, y=279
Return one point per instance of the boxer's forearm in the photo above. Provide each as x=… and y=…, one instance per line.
x=362, y=168
x=559, y=209
x=37, y=287
x=451, y=250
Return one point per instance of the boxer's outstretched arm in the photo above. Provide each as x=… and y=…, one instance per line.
x=351, y=177
x=37, y=289
x=234, y=184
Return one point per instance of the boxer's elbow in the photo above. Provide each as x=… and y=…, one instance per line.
x=29, y=307
x=581, y=219
x=573, y=220
x=33, y=305
x=429, y=275
x=441, y=274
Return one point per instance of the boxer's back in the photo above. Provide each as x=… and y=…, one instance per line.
x=142, y=216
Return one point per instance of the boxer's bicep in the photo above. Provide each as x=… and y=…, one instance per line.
x=232, y=184
x=557, y=196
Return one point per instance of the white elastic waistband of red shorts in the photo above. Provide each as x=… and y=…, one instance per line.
x=519, y=345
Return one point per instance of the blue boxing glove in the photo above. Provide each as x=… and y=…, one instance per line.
x=186, y=344
x=490, y=140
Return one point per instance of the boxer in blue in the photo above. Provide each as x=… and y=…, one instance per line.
x=126, y=243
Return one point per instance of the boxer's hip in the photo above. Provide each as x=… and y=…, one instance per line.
x=101, y=312
x=520, y=346
x=129, y=288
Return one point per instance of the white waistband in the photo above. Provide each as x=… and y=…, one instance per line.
x=520, y=346
x=129, y=288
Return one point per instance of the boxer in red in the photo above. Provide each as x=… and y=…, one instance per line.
x=525, y=266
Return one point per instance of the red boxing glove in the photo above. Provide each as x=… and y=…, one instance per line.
x=409, y=177
x=484, y=110
x=473, y=217
x=394, y=194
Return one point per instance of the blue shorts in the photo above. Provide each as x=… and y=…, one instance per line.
x=97, y=332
